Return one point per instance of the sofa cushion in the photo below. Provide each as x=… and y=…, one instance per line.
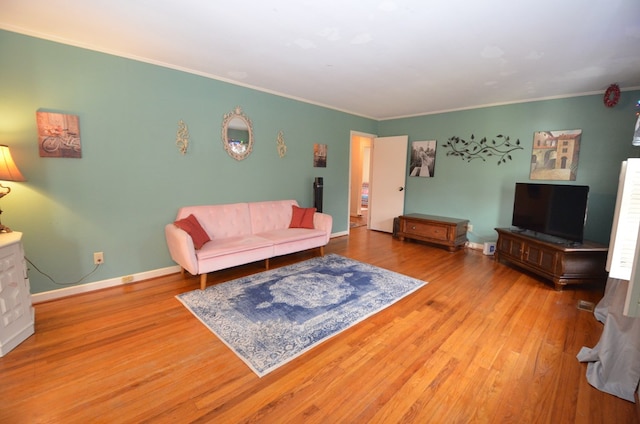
x=270, y=215
x=302, y=217
x=287, y=235
x=235, y=246
x=221, y=221
x=191, y=225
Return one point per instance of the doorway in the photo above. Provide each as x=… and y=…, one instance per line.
x=376, y=205
x=359, y=180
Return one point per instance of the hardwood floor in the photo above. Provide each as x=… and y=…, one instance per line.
x=359, y=220
x=482, y=342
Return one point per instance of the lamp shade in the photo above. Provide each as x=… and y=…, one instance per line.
x=8, y=169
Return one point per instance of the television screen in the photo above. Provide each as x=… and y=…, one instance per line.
x=553, y=209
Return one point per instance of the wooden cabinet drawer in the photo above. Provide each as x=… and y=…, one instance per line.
x=443, y=231
x=434, y=231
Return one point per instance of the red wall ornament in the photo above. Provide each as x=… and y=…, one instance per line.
x=612, y=95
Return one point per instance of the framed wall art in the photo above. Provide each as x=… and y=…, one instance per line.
x=319, y=155
x=555, y=155
x=58, y=135
x=423, y=159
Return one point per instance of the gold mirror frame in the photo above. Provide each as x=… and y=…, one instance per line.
x=237, y=134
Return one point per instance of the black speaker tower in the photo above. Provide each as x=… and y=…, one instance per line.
x=317, y=193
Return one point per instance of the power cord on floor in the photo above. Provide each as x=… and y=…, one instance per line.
x=62, y=284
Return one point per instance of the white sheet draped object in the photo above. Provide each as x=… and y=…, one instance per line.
x=614, y=363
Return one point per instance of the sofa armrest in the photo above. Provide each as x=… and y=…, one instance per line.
x=181, y=248
x=324, y=222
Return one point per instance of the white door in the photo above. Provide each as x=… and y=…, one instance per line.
x=386, y=188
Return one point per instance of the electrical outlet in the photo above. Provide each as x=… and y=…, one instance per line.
x=127, y=279
x=98, y=258
x=469, y=228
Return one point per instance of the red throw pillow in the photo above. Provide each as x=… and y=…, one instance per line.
x=302, y=217
x=191, y=225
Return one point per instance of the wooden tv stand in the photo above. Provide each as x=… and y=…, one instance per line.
x=562, y=263
x=448, y=232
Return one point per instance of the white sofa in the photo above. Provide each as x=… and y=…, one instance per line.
x=241, y=233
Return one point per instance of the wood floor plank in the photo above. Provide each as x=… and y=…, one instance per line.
x=482, y=342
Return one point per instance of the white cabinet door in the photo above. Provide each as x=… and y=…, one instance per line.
x=16, y=312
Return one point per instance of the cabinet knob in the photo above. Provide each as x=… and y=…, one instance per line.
x=413, y=227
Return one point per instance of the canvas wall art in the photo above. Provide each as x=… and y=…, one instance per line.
x=423, y=159
x=320, y=155
x=58, y=135
x=555, y=155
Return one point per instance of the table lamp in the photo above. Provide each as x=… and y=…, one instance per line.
x=8, y=172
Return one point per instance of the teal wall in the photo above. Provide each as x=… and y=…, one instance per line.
x=483, y=191
x=131, y=178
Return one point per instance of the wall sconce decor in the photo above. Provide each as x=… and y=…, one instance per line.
x=182, y=137
x=8, y=172
x=282, y=147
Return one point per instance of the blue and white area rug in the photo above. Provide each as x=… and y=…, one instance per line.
x=272, y=317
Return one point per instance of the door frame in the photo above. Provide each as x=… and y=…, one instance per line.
x=351, y=135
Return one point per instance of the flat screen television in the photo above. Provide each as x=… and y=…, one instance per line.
x=557, y=210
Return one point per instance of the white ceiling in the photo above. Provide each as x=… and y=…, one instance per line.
x=376, y=58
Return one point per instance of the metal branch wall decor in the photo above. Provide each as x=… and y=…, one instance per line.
x=472, y=149
x=182, y=137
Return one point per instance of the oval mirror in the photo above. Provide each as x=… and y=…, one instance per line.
x=237, y=134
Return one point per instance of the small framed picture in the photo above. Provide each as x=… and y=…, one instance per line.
x=319, y=155
x=58, y=135
x=423, y=159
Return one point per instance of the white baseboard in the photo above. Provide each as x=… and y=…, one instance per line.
x=475, y=246
x=98, y=285
x=113, y=282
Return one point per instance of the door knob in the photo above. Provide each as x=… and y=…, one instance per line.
x=400, y=188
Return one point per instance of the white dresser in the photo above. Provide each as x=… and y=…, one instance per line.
x=16, y=311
